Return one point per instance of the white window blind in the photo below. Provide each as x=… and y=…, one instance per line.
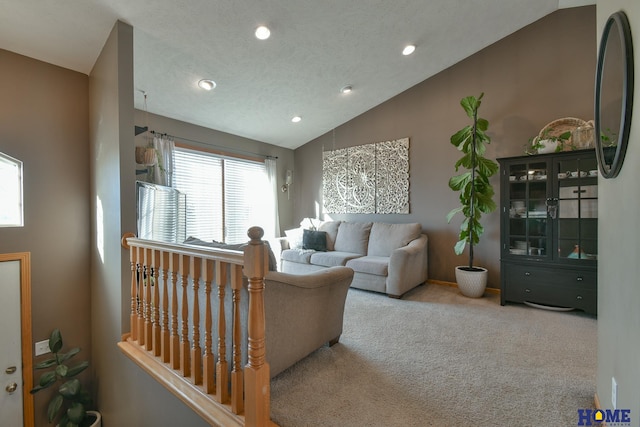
x=161, y=213
x=246, y=199
x=224, y=196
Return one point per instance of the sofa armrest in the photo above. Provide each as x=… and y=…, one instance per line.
x=408, y=267
x=327, y=277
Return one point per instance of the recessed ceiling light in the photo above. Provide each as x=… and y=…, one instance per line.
x=207, y=84
x=296, y=119
x=408, y=50
x=262, y=32
x=346, y=89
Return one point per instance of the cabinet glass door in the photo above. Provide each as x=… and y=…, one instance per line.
x=577, y=213
x=528, y=223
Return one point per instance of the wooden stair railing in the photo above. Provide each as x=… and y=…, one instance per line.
x=170, y=284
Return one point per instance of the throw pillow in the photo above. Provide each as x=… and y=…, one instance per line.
x=294, y=236
x=312, y=239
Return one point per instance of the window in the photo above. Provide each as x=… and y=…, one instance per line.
x=11, y=208
x=225, y=196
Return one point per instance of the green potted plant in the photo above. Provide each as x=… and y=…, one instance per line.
x=71, y=401
x=476, y=193
x=547, y=143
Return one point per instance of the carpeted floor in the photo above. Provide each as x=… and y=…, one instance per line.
x=437, y=358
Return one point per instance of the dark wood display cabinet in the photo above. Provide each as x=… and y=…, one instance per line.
x=549, y=230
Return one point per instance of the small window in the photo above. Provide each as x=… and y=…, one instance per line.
x=11, y=208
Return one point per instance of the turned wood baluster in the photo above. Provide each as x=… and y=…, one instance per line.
x=209, y=385
x=140, y=301
x=196, y=350
x=237, y=389
x=148, y=337
x=257, y=382
x=133, y=318
x=184, y=335
x=222, y=376
x=155, y=307
x=174, y=264
x=164, y=334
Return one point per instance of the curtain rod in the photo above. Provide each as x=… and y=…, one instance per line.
x=207, y=145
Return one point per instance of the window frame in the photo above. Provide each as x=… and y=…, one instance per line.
x=226, y=233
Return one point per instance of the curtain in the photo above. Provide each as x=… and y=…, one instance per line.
x=162, y=173
x=272, y=175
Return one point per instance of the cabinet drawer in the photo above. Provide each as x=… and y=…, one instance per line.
x=541, y=276
x=583, y=299
x=551, y=286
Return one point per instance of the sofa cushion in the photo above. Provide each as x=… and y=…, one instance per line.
x=353, y=237
x=385, y=238
x=302, y=256
x=332, y=258
x=313, y=239
x=378, y=265
x=331, y=228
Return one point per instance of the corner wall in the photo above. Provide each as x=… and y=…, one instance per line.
x=126, y=395
x=538, y=74
x=618, y=269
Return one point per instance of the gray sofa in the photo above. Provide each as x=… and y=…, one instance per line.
x=387, y=258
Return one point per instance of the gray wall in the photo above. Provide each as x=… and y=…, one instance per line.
x=618, y=270
x=532, y=77
x=44, y=123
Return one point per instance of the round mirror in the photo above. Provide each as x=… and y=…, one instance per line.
x=614, y=94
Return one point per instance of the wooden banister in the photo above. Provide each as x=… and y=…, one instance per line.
x=183, y=299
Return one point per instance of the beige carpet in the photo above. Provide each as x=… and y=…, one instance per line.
x=437, y=358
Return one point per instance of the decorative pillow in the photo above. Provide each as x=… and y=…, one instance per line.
x=316, y=240
x=294, y=236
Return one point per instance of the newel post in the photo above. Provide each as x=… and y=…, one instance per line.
x=257, y=380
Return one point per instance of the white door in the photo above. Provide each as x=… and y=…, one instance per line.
x=10, y=349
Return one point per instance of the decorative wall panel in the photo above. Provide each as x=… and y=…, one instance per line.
x=370, y=178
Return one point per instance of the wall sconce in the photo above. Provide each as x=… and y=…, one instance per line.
x=288, y=179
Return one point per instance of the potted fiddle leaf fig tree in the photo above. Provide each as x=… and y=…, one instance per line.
x=70, y=402
x=476, y=193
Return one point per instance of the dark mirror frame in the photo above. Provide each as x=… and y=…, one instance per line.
x=617, y=26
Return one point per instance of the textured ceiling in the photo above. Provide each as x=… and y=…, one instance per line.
x=316, y=47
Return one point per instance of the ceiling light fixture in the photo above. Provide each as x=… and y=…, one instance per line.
x=296, y=119
x=262, y=32
x=346, y=89
x=408, y=50
x=207, y=84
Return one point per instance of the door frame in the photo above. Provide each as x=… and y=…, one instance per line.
x=25, y=331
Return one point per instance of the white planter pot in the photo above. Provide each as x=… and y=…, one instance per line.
x=98, y=421
x=549, y=146
x=471, y=283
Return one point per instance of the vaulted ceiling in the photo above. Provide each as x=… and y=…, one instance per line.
x=315, y=49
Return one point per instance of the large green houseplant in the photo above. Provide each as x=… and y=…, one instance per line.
x=70, y=402
x=476, y=193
